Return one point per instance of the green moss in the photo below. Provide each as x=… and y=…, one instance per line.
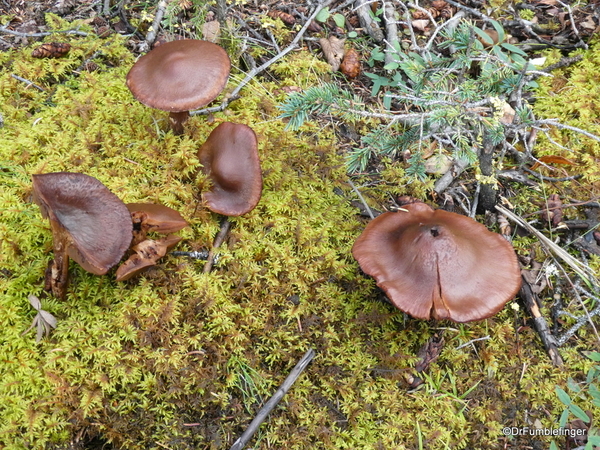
x=160, y=361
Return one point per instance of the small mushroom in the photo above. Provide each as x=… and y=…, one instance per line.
x=148, y=217
x=229, y=157
x=438, y=264
x=180, y=76
x=147, y=253
x=89, y=224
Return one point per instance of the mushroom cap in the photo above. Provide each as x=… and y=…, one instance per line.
x=97, y=223
x=159, y=218
x=438, y=264
x=180, y=75
x=229, y=157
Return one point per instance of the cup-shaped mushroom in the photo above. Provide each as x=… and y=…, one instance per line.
x=89, y=223
x=180, y=76
x=438, y=264
x=229, y=158
x=151, y=217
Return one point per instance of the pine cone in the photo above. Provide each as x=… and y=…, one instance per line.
x=51, y=50
x=286, y=18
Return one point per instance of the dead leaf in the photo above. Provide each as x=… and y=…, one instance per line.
x=533, y=277
x=588, y=23
x=504, y=225
x=43, y=321
x=438, y=164
x=350, y=65
x=211, y=31
x=552, y=159
x=420, y=24
x=508, y=114
x=333, y=49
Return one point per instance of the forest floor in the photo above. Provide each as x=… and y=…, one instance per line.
x=186, y=355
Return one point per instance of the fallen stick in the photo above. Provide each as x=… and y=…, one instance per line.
x=540, y=324
x=273, y=401
x=153, y=31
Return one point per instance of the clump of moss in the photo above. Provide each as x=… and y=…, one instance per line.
x=178, y=358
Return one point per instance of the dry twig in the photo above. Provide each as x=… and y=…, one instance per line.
x=273, y=401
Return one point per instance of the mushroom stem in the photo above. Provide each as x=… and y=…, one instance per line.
x=57, y=278
x=177, y=120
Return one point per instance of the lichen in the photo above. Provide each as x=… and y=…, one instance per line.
x=156, y=362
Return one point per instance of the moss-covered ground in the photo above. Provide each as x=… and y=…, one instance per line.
x=180, y=359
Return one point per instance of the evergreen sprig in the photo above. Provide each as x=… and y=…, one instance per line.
x=317, y=100
x=453, y=88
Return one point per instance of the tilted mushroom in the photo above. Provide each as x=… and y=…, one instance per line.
x=151, y=217
x=89, y=224
x=180, y=76
x=438, y=264
x=229, y=157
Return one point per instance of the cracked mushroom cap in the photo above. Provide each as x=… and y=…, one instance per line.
x=180, y=76
x=93, y=221
x=438, y=264
x=229, y=157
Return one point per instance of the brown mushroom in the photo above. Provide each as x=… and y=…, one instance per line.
x=230, y=159
x=150, y=217
x=180, y=76
x=147, y=253
x=89, y=224
x=438, y=264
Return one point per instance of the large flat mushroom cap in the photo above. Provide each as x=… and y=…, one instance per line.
x=180, y=75
x=230, y=159
x=437, y=264
x=97, y=222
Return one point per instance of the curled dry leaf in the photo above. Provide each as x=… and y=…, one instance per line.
x=553, y=211
x=333, y=49
x=350, y=65
x=51, y=50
